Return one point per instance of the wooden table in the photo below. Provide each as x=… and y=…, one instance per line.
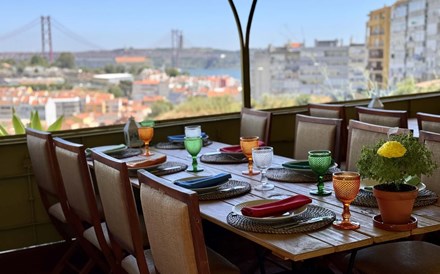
x=298, y=246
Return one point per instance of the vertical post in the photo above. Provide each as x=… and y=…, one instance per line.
x=43, y=44
x=49, y=38
x=244, y=47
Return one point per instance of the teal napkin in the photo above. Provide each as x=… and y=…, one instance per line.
x=204, y=181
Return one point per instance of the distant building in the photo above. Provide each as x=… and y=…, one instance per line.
x=330, y=68
x=378, y=44
x=55, y=107
x=146, y=87
x=415, y=40
x=112, y=78
x=275, y=70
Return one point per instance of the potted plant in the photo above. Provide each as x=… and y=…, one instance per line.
x=392, y=163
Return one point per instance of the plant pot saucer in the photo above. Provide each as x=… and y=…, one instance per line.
x=377, y=222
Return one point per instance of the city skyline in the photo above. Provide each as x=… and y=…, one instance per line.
x=141, y=24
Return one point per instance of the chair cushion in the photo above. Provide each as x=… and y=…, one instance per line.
x=90, y=235
x=432, y=180
x=252, y=125
x=57, y=211
x=129, y=263
x=311, y=136
x=406, y=257
x=327, y=113
x=431, y=126
x=219, y=264
x=388, y=121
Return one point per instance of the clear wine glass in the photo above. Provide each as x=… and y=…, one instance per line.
x=193, y=145
x=146, y=133
x=246, y=144
x=346, y=186
x=320, y=161
x=262, y=157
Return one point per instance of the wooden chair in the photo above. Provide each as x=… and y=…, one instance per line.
x=256, y=123
x=174, y=228
x=381, y=117
x=327, y=111
x=335, y=112
x=84, y=207
x=313, y=133
x=432, y=141
x=121, y=215
x=428, y=122
x=362, y=134
x=52, y=192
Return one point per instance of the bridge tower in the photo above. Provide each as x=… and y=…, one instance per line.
x=176, y=46
x=46, y=37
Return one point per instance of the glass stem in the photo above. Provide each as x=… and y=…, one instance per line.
x=250, y=166
x=320, y=185
x=263, y=177
x=147, y=149
x=194, y=163
x=346, y=213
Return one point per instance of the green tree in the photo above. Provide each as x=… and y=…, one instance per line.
x=126, y=87
x=116, y=91
x=38, y=60
x=406, y=86
x=160, y=107
x=114, y=69
x=172, y=72
x=65, y=60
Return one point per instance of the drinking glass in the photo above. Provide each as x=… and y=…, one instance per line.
x=146, y=132
x=320, y=161
x=262, y=157
x=247, y=144
x=346, y=186
x=193, y=131
x=193, y=145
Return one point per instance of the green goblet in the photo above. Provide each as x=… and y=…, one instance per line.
x=320, y=161
x=193, y=145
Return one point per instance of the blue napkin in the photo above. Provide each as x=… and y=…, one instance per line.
x=204, y=181
x=181, y=138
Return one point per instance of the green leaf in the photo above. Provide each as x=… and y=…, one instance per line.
x=32, y=116
x=18, y=124
x=57, y=124
x=3, y=131
x=35, y=122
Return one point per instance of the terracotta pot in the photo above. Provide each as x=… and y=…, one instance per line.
x=395, y=207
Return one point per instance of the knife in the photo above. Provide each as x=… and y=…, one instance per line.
x=304, y=222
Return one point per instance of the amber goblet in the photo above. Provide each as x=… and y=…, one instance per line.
x=346, y=186
x=146, y=133
x=247, y=144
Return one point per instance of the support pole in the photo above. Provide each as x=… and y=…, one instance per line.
x=244, y=47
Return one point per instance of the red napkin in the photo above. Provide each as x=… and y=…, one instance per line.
x=277, y=207
x=236, y=148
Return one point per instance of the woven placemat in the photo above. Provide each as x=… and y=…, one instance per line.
x=366, y=198
x=291, y=176
x=126, y=153
x=163, y=169
x=244, y=223
x=223, y=158
x=177, y=145
x=223, y=191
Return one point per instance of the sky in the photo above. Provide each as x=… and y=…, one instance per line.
x=79, y=25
